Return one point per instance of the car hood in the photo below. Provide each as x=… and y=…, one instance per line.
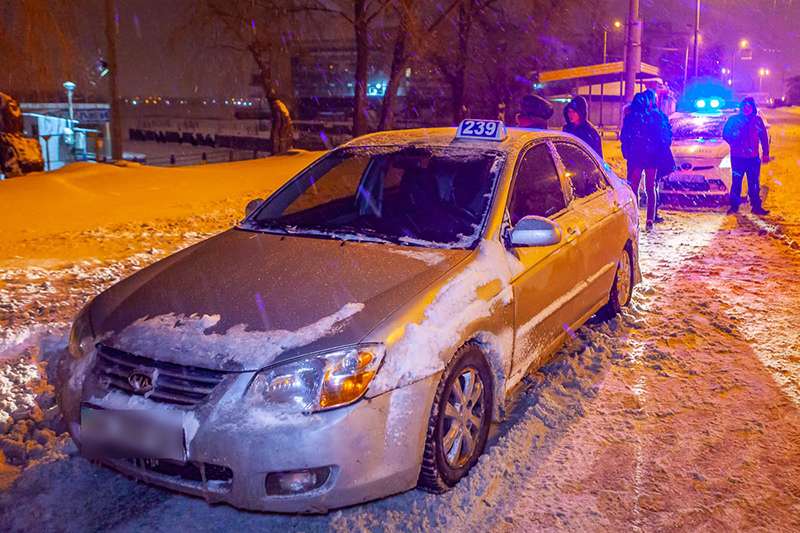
x=700, y=149
x=243, y=300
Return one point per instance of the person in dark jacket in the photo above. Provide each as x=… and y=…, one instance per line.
x=578, y=125
x=744, y=132
x=642, y=139
x=666, y=161
x=535, y=111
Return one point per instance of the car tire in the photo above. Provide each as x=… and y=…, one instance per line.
x=622, y=288
x=448, y=456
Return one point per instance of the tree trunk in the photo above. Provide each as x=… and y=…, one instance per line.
x=395, y=77
x=116, y=115
x=458, y=83
x=360, y=104
x=282, y=130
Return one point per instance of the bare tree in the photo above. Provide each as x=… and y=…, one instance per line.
x=360, y=14
x=412, y=37
x=37, y=29
x=255, y=28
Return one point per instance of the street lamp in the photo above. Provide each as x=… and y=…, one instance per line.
x=762, y=72
x=70, y=87
x=617, y=25
x=744, y=43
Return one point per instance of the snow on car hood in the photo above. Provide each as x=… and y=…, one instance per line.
x=242, y=300
x=700, y=149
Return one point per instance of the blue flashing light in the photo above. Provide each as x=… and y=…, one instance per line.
x=700, y=104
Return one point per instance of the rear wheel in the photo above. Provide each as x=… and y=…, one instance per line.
x=622, y=289
x=459, y=423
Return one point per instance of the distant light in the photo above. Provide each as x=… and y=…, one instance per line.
x=378, y=86
x=714, y=103
x=724, y=70
x=69, y=86
x=730, y=82
x=744, y=43
x=700, y=104
x=408, y=72
x=617, y=24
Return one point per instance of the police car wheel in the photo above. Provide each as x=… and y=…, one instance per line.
x=459, y=423
x=622, y=289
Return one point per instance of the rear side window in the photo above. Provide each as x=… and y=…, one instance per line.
x=584, y=174
x=537, y=188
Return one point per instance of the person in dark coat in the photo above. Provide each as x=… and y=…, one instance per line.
x=282, y=132
x=576, y=123
x=666, y=161
x=744, y=132
x=642, y=139
x=535, y=111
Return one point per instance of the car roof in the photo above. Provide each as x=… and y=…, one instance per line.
x=446, y=138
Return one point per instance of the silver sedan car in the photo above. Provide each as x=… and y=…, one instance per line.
x=358, y=332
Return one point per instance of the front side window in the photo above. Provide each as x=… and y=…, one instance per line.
x=537, y=187
x=408, y=195
x=584, y=174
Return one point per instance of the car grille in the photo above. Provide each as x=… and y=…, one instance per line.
x=677, y=185
x=177, y=384
x=214, y=476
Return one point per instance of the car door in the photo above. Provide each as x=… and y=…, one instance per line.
x=603, y=226
x=548, y=274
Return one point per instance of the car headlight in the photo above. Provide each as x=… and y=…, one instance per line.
x=81, y=335
x=726, y=162
x=319, y=381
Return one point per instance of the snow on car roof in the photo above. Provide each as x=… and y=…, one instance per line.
x=446, y=137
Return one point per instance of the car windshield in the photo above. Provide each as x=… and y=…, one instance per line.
x=698, y=126
x=406, y=195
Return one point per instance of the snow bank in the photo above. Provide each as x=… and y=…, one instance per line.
x=183, y=339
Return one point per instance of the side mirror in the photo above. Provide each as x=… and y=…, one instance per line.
x=251, y=206
x=535, y=231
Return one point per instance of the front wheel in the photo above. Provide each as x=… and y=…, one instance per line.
x=459, y=422
x=621, y=290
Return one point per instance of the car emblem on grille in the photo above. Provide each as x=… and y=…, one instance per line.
x=141, y=381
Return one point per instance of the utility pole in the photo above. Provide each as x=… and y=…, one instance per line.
x=111, y=45
x=633, y=50
x=696, y=38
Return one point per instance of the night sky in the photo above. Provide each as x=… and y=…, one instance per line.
x=161, y=54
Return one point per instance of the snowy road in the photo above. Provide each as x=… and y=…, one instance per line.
x=683, y=414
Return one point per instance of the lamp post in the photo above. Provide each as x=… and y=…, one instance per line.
x=696, y=38
x=617, y=25
x=744, y=44
x=762, y=72
x=70, y=88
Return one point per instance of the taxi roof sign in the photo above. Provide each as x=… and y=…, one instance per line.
x=484, y=130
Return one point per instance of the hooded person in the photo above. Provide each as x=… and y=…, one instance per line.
x=641, y=136
x=744, y=132
x=535, y=111
x=577, y=124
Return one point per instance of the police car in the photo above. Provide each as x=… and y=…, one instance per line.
x=358, y=332
x=703, y=174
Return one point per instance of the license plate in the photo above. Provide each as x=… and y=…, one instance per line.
x=132, y=433
x=686, y=178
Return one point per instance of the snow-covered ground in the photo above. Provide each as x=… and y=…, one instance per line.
x=682, y=414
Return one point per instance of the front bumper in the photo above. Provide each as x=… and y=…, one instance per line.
x=373, y=448
x=694, y=189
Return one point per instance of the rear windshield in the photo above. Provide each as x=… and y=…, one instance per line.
x=698, y=126
x=406, y=195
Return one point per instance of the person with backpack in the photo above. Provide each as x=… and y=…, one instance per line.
x=744, y=132
x=577, y=124
x=643, y=138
